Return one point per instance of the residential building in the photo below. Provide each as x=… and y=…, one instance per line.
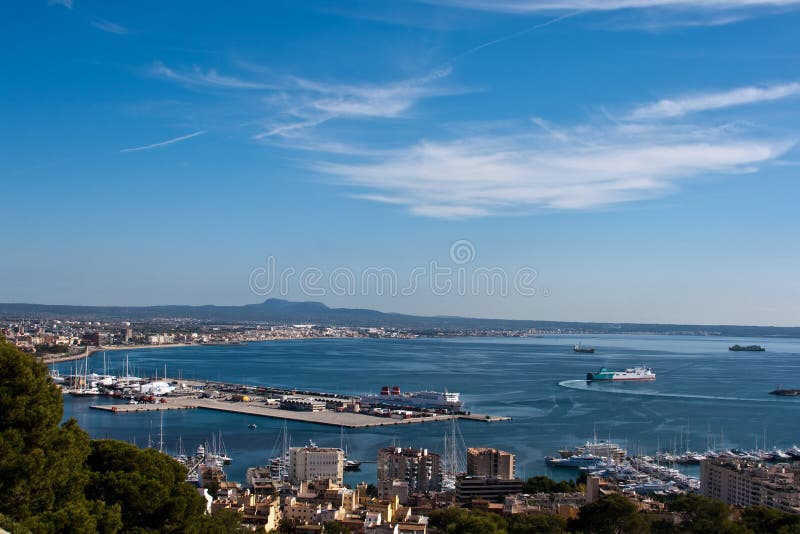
x=310, y=463
x=490, y=463
x=746, y=483
x=563, y=504
x=481, y=487
x=419, y=468
x=257, y=512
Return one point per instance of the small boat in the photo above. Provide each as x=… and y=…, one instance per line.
x=349, y=464
x=781, y=455
x=784, y=392
x=581, y=349
x=252, y=426
x=352, y=465
x=575, y=462
x=794, y=452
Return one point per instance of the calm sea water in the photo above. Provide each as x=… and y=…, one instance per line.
x=703, y=392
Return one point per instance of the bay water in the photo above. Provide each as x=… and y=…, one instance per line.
x=704, y=395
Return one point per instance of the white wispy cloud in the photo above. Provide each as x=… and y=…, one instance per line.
x=308, y=103
x=536, y=6
x=598, y=166
x=109, y=27
x=648, y=15
x=164, y=143
x=740, y=96
x=205, y=78
x=293, y=104
x=388, y=100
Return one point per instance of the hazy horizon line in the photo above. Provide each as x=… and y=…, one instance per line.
x=439, y=316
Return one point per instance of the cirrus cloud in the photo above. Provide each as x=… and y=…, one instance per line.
x=537, y=6
x=294, y=104
x=668, y=108
x=596, y=167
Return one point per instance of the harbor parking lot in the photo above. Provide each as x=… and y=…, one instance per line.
x=327, y=417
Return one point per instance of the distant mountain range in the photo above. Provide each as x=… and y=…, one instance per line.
x=289, y=312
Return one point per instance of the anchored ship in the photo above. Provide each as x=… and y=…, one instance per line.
x=633, y=373
x=580, y=348
x=747, y=348
x=433, y=400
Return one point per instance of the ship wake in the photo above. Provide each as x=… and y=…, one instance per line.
x=583, y=385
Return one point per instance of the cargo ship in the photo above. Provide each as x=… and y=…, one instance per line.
x=426, y=400
x=747, y=348
x=633, y=373
x=580, y=348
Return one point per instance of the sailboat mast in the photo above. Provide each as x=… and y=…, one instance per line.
x=161, y=433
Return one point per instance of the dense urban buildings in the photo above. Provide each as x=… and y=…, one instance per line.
x=56, y=336
x=746, y=483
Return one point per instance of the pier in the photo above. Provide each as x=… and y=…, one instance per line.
x=327, y=417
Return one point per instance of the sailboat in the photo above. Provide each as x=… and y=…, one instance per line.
x=222, y=453
x=279, y=465
x=87, y=389
x=180, y=454
x=349, y=465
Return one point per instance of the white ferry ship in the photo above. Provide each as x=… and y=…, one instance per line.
x=433, y=400
x=633, y=373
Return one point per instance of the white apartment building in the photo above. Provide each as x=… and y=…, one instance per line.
x=310, y=463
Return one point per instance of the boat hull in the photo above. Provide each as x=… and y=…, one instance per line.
x=643, y=379
x=628, y=375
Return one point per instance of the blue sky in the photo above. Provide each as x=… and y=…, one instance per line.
x=640, y=158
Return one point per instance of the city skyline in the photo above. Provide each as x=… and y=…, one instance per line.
x=639, y=160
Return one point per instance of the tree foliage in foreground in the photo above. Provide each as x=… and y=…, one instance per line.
x=543, y=484
x=613, y=514
x=763, y=520
x=459, y=521
x=53, y=478
x=703, y=515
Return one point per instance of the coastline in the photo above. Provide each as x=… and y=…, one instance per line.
x=91, y=350
x=88, y=351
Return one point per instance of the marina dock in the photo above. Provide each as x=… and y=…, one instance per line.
x=340, y=419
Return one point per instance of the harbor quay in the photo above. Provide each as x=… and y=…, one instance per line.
x=280, y=403
x=326, y=417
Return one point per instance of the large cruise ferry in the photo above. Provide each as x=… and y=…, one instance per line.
x=633, y=373
x=434, y=400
